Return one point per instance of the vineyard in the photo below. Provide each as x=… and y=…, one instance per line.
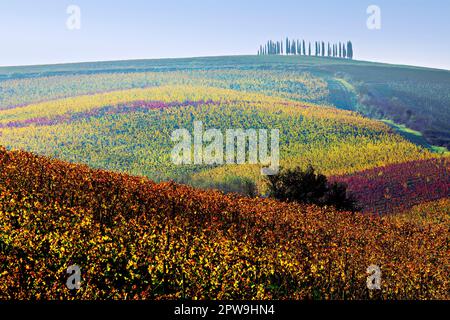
x=135, y=239
x=300, y=86
x=130, y=131
x=87, y=179
x=397, y=187
x=416, y=97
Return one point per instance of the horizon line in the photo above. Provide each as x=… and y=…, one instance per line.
x=217, y=56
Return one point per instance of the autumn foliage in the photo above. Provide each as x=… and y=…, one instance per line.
x=130, y=131
x=400, y=186
x=135, y=239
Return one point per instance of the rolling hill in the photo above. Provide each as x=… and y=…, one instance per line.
x=134, y=239
x=119, y=115
x=416, y=97
x=87, y=178
x=130, y=131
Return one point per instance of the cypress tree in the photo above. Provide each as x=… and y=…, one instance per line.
x=350, y=50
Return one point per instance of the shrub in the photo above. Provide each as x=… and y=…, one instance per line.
x=309, y=187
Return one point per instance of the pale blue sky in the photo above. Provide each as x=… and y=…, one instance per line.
x=414, y=32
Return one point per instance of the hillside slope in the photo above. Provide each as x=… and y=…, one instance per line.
x=130, y=131
x=416, y=97
x=134, y=239
x=397, y=187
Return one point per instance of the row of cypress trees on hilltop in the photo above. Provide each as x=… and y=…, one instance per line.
x=301, y=47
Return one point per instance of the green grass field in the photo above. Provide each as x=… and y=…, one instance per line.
x=415, y=137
